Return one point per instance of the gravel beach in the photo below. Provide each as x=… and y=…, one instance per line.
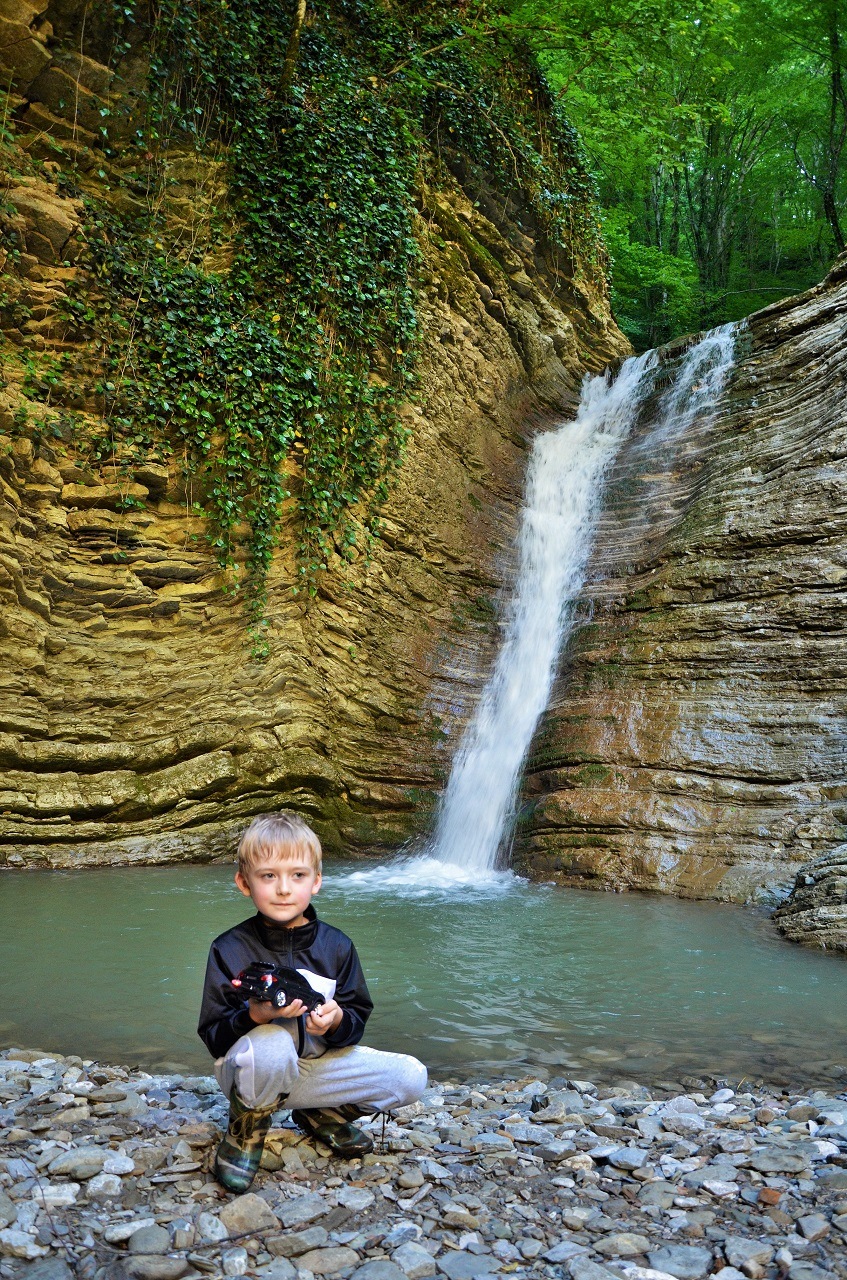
x=104, y=1175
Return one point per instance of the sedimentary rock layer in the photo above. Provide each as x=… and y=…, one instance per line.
x=696, y=741
x=815, y=912
x=133, y=724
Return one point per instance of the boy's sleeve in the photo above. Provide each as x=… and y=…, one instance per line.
x=353, y=996
x=224, y=1016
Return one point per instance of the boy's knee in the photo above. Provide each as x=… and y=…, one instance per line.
x=410, y=1079
x=261, y=1066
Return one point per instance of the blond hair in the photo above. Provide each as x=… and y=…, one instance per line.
x=278, y=837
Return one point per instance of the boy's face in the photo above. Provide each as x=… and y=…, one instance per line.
x=281, y=890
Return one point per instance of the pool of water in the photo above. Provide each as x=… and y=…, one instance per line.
x=492, y=977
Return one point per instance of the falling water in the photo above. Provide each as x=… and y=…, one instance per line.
x=564, y=489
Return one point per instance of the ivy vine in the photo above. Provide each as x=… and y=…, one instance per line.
x=304, y=346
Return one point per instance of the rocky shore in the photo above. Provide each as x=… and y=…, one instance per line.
x=104, y=1175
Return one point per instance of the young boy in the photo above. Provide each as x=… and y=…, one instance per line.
x=266, y=1056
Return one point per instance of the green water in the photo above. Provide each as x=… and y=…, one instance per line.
x=489, y=979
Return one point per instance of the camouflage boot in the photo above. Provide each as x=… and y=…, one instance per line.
x=238, y=1156
x=334, y=1128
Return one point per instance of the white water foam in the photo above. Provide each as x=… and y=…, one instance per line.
x=427, y=877
x=564, y=490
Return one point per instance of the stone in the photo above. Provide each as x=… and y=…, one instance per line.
x=49, y=1269
x=629, y=1158
x=153, y=1266
x=81, y=1162
x=777, y=1160
x=293, y=1213
x=19, y=1244
x=749, y=1256
x=809, y=1271
x=328, y=1262
x=118, y=1232
x=813, y=1226
x=382, y=1269
x=8, y=1210
x=297, y=1242
x=414, y=1261
x=582, y=1268
x=104, y=1186
x=466, y=1266
x=211, y=1228
x=657, y=1193
x=248, y=1213
x=235, y=1262
x=153, y=1239
x=686, y=1262
x=622, y=1244
x=279, y=1269
x=356, y=1198
x=56, y=1196
x=529, y=1247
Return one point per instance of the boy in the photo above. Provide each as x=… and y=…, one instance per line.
x=267, y=1056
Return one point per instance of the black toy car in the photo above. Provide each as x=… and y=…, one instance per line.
x=276, y=983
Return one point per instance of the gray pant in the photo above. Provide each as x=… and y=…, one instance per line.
x=263, y=1065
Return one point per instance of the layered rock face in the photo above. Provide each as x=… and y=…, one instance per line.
x=133, y=724
x=815, y=912
x=696, y=741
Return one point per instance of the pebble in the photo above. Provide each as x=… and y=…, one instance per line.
x=532, y=1179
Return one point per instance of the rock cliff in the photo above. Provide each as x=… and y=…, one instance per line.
x=696, y=743
x=815, y=912
x=134, y=725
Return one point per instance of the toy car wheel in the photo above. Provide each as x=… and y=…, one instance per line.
x=279, y=1000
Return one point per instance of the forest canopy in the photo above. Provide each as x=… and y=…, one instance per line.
x=716, y=130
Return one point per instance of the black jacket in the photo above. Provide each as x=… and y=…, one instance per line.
x=318, y=950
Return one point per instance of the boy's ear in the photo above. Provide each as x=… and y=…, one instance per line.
x=318, y=882
x=243, y=884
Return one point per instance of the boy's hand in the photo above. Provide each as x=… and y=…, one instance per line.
x=262, y=1011
x=325, y=1018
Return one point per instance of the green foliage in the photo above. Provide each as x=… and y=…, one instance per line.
x=717, y=129
x=304, y=347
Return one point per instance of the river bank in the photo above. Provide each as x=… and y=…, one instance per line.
x=104, y=1176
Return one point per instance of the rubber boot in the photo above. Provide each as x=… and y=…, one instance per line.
x=334, y=1128
x=240, y=1152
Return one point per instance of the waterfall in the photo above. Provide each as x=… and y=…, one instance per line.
x=566, y=477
